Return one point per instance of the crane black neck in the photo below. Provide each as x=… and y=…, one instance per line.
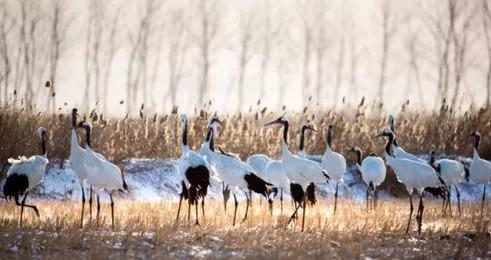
x=286, y=125
x=329, y=138
x=358, y=156
x=74, y=120
x=390, y=141
x=432, y=158
x=87, y=136
x=185, y=134
x=43, y=144
x=209, y=139
x=302, y=137
x=395, y=140
x=477, y=142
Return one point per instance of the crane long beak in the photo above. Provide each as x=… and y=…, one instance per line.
x=379, y=135
x=313, y=129
x=272, y=123
x=219, y=122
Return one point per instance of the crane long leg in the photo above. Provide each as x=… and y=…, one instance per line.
x=196, y=207
x=483, y=199
x=294, y=215
x=112, y=210
x=336, y=198
x=410, y=212
x=203, y=208
x=83, y=204
x=23, y=204
x=458, y=197
x=179, y=208
x=247, y=205
x=304, y=209
x=250, y=199
x=90, y=204
x=281, y=201
x=420, y=217
x=449, y=201
x=368, y=190
x=235, y=210
x=375, y=196
x=98, y=209
x=189, y=209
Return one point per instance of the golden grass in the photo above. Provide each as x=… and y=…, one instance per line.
x=121, y=138
x=148, y=230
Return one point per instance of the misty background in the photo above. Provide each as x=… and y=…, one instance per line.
x=117, y=55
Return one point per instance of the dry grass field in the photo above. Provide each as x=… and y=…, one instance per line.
x=148, y=230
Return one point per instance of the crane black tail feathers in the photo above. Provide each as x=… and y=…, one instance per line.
x=258, y=185
x=16, y=184
x=310, y=192
x=125, y=186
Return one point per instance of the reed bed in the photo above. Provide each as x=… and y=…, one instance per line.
x=149, y=230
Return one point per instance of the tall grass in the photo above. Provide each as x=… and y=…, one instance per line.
x=158, y=135
x=148, y=230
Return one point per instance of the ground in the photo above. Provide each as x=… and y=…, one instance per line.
x=149, y=230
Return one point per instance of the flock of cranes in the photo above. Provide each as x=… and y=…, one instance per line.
x=260, y=174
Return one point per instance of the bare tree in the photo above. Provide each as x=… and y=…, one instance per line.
x=59, y=26
x=411, y=43
x=137, y=72
x=246, y=29
x=461, y=33
x=486, y=20
x=307, y=44
x=208, y=17
x=388, y=30
x=7, y=23
x=321, y=45
x=177, y=49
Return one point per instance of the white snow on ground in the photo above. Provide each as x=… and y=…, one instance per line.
x=158, y=179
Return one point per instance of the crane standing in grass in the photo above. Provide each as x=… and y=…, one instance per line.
x=480, y=170
x=101, y=174
x=413, y=174
x=195, y=173
x=25, y=174
x=334, y=163
x=372, y=171
x=301, y=172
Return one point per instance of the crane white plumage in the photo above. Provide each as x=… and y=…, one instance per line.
x=300, y=171
x=305, y=126
x=373, y=172
x=480, y=169
x=195, y=173
x=26, y=173
x=235, y=173
x=413, y=174
x=334, y=163
x=399, y=152
x=452, y=173
x=102, y=175
x=259, y=162
x=77, y=162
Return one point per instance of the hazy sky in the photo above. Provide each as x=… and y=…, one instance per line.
x=354, y=24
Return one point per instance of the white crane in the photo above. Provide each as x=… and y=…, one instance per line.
x=305, y=126
x=398, y=151
x=480, y=169
x=334, y=163
x=259, y=163
x=452, y=173
x=196, y=175
x=213, y=121
x=413, y=174
x=101, y=174
x=301, y=172
x=372, y=171
x=274, y=172
x=403, y=154
x=236, y=173
x=24, y=174
x=77, y=161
